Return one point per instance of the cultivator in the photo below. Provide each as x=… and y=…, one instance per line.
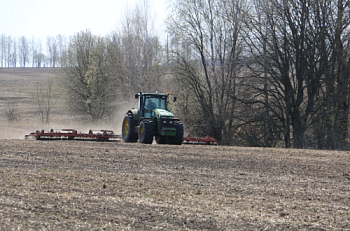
x=100, y=135
x=199, y=140
x=72, y=134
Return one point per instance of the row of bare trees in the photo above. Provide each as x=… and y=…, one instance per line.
x=24, y=52
x=99, y=73
x=248, y=72
x=264, y=73
x=300, y=58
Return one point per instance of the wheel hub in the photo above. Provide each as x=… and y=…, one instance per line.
x=126, y=127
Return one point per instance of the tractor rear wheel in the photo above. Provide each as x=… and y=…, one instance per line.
x=178, y=138
x=146, y=131
x=128, y=132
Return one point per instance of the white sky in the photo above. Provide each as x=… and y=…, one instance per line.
x=42, y=18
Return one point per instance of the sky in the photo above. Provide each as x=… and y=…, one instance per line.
x=42, y=18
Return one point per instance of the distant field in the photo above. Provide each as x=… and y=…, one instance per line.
x=15, y=89
x=16, y=84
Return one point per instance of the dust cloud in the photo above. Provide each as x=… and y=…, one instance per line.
x=14, y=91
x=18, y=129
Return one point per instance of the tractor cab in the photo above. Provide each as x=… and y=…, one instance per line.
x=148, y=102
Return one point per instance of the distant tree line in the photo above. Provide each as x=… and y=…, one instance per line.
x=248, y=72
x=264, y=73
x=30, y=52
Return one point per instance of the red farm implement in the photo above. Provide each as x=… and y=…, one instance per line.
x=100, y=135
x=72, y=134
x=199, y=140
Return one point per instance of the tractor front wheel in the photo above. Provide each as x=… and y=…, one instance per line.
x=178, y=138
x=128, y=133
x=146, y=131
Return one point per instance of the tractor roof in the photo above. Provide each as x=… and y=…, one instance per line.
x=153, y=94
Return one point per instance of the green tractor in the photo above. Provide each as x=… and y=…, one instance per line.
x=152, y=118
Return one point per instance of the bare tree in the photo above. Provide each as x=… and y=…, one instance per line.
x=39, y=54
x=3, y=49
x=44, y=97
x=14, y=54
x=11, y=111
x=52, y=50
x=61, y=45
x=90, y=89
x=141, y=49
x=206, y=57
x=24, y=50
x=8, y=48
x=33, y=50
x=332, y=131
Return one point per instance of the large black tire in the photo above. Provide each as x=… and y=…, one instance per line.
x=128, y=132
x=178, y=138
x=146, y=131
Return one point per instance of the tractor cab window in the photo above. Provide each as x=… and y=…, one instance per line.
x=162, y=102
x=152, y=102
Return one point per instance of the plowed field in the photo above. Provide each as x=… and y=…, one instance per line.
x=86, y=185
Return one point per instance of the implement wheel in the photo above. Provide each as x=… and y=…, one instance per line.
x=128, y=132
x=146, y=131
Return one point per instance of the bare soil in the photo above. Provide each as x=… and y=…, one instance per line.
x=86, y=185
